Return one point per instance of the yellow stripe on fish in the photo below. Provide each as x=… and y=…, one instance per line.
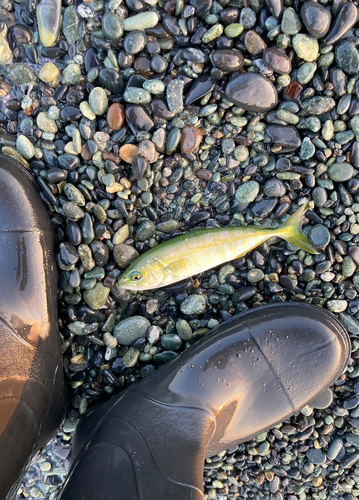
x=203, y=249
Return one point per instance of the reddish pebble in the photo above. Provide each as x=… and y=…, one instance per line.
x=109, y=155
x=294, y=89
x=190, y=139
x=115, y=116
x=85, y=153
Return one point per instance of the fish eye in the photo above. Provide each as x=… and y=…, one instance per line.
x=136, y=276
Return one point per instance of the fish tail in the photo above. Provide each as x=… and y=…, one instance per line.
x=291, y=230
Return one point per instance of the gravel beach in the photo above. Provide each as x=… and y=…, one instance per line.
x=142, y=120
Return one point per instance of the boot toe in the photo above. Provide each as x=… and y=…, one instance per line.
x=20, y=205
x=306, y=346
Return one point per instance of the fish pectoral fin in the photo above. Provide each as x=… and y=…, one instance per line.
x=174, y=270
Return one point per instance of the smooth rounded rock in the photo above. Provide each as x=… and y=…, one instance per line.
x=316, y=18
x=341, y=172
x=115, y=116
x=98, y=101
x=306, y=47
x=193, y=305
x=48, y=72
x=48, y=14
x=252, y=92
x=140, y=21
x=191, y=138
x=131, y=329
x=228, y=60
x=111, y=26
x=277, y=60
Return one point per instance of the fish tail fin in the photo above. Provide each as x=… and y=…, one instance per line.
x=291, y=230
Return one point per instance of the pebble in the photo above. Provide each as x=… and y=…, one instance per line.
x=228, y=60
x=319, y=236
x=174, y=95
x=345, y=19
x=124, y=255
x=115, y=116
x=48, y=72
x=316, y=19
x=128, y=152
x=341, y=172
x=191, y=138
x=131, y=329
x=247, y=192
x=48, y=14
x=96, y=298
x=5, y=52
x=317, y=457
x=277, y=60
x=290, y=24
x=98, y=101
x=45, y=123
x=193, y=305
x=25, y=147
x=305, y=47
x=252, y=92
x=141, y=21
x=70, y=24
x=111, y=26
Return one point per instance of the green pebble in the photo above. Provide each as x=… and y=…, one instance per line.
x=173, y=139
x=21, y=74
x=328, y=130
x=255, y=275
x=337, y=306
x=306, y=72
x=140, y=21
x=306, y=47
x=213, y=33
x=130, y=358
x=97, y=297
x=70, y=24
x=131, y=329
x=290, y=22
x=77, y=327
x=171, y=342
x=193, y=305
x=98, y=101
x=325, y=60
x=348, y=266
x=154, y=86
x=184, y=329
x=25, y=147
x=76, y=139
x=247, y=192
x=136, y=95
x=233, y=30
x=307, y=149
x=284, y=80
x=111, y=26
x=145, y=230
x=341, y=172
x=71, y=72
x=287, y=116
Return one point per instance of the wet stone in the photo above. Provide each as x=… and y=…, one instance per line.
x=48, y=14
x=115, y=116
x=131, y=329
x=111, y=26
x=70, y=24
x=228, y=60
x=247, y=192
x=317, y=457
x=98, y=101
x=286, y=136
x=193, y=305
x=137, y=96
x=124, y=255
x=200, y=87
x=347, y=57
x=171, y=342
x=233, y=30
x=274, y=188
x=138, y=118
x=5, y=52
x=134, y=42
x=140, y=21
x=290, y=22
x=306, y=47
x=145, y=230
x=46, y=124
x=174, y=95
x=247, y=18
x=345, y=19
x=97, y=296
x=48, y=72
x=319, y=236
x=25, y=147
x=252, y=92
x=264, y=208
x=191, y=138
x=341, y=172
x=254, y=43
x=316, y=18
x=318, y=105
x=277, y=60
x=20, y=74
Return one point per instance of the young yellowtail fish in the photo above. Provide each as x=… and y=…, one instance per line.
x=202, y=249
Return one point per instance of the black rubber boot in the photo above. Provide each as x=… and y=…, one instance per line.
x=244, y=377
x=31, y=378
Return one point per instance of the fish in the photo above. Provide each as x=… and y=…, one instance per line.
x=202, y=249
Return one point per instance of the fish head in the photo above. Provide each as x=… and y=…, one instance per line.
x=144, y=275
